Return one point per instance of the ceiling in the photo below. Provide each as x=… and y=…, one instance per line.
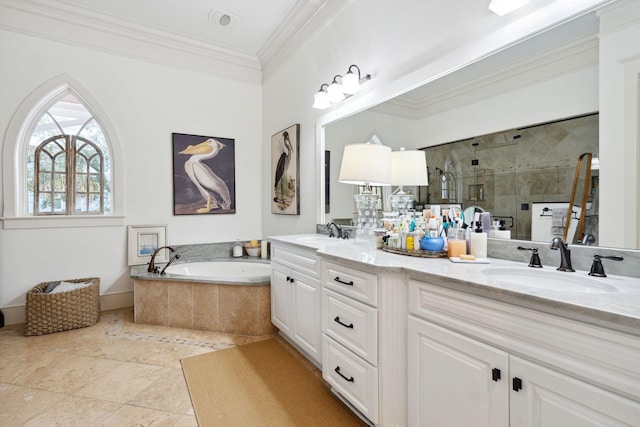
x=256, y=28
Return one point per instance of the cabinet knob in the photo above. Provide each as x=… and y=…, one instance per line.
x=517, y=384
x=495, y=374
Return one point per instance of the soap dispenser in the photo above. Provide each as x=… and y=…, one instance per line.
x=478, y=243
x=237, y=249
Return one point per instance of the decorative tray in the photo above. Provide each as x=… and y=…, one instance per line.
x=420, y=253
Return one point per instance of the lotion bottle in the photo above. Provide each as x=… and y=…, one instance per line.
x=478, y=242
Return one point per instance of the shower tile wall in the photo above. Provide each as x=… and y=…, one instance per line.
x=515, y=168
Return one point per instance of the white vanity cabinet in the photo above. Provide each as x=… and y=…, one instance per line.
x=295, y=298
x=364, y=321
x=475, y=361
x=350, y=336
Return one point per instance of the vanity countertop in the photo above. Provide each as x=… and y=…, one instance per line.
x=612, y=302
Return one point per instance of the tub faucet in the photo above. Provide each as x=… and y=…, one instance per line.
x=152, y=266
x=565, y=254
x=175, y=257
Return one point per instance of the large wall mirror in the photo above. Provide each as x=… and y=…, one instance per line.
x=543, y=90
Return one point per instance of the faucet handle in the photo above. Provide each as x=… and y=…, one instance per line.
x=597, y=269
x=535, y=258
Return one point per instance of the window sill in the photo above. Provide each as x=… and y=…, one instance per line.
x=61, y=222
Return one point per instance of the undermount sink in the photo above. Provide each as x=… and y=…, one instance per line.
x=547, y=280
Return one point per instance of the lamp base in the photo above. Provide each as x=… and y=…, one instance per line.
x=401, y=202
x=367, y=205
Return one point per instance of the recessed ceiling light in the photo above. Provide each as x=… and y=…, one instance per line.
x=224, y=19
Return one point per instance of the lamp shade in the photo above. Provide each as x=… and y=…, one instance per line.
x=351, y=83
x=366, y=164
x=409, y=167
x=321, y=100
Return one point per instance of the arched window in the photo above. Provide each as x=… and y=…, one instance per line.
x=62, y=163
x=68, y=160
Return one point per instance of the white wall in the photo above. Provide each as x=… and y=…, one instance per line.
x=145, y=103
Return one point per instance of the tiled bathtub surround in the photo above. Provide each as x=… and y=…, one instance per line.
x=236, y=309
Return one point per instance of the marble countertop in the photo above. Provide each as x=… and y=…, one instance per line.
x=612, y=302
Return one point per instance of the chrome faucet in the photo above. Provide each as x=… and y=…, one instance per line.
x=152, y=266
x=565, y=254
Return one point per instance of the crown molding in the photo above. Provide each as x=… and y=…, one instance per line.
x=300, y=16
x=306, y=20
x=63, y=22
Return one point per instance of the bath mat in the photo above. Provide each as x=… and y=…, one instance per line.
x=261, y=384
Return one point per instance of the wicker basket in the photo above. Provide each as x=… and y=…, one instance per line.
x=54, y=312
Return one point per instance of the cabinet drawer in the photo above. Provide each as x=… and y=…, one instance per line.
x=351, y=282
x=298, y=259
x=352, y=377
x=352, y=324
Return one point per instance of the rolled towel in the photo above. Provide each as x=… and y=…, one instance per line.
x=558, y=220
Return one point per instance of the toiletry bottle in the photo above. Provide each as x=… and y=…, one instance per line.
x=478, y=242
x=237, y=249
x=264, y=247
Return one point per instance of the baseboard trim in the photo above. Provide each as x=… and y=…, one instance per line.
x=16, y=314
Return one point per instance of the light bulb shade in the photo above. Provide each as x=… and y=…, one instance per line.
x=366, y=164
x=351, y=83
x=409, y=168
x=335, y=92
x=502, y=7
x=321, y=100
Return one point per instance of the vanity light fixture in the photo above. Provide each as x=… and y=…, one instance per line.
x=368, y=165
x=335, y=91
x=502, y=7
x=340, y=88
x=351, y=81
x=321, y=99
x=408, y=167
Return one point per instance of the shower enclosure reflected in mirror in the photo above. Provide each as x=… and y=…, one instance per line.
x=517, y=175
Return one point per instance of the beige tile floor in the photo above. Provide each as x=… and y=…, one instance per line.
x=115, y=373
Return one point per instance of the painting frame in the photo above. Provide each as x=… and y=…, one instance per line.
x=143, y=241
x=285, y=171
x=204, y=179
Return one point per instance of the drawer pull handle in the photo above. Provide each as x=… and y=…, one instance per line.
x=337, y=320
x=340, y=373
x=337, y=279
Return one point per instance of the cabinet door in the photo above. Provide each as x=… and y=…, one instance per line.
x=281, y=298
x=307, y=329
x=551, y=399
x=455, y=380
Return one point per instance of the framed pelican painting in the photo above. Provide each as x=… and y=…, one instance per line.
x=285, y=185
x=203, y=175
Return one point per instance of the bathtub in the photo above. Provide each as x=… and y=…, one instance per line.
x=225, y=272
x=222, y=296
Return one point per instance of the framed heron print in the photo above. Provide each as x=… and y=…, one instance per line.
x=203, y=175
x=285, y=173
